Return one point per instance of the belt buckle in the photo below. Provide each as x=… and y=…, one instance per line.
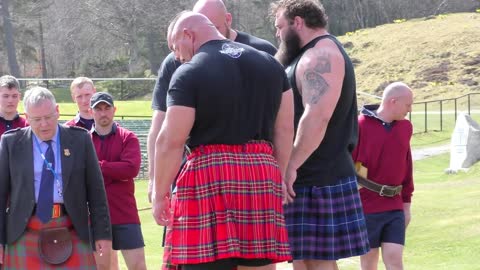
x=57, y=211
x=398, y=190
x=381, y=191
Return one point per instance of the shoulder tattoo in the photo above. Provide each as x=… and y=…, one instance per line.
x=315, y=86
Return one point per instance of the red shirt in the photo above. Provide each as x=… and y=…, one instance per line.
x=17, y=122
x=80, y=122
x=384, y=149
x=119, y=158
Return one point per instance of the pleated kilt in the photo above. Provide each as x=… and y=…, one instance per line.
x=167, y=249
x=229, y=205
x=23, y=254
x=327, y=223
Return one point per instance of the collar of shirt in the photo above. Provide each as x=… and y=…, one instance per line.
x=14, y=118
x=38, y=164
x=113, y=131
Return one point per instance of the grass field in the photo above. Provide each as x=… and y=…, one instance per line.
x=444, y=232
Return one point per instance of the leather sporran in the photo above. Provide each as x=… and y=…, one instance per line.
x=55, y=245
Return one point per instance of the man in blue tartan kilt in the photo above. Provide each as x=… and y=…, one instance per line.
x=324, y=216
x=235, y=106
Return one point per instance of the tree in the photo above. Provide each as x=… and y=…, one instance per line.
x=9, y=40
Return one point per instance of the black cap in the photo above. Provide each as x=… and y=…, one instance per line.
x=101, y=97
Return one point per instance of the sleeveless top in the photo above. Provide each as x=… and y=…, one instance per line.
x=332, y=160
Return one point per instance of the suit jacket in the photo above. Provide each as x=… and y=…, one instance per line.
x=83, y=190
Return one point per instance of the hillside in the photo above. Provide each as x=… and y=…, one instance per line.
x=439, y=57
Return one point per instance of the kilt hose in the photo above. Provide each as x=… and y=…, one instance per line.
x=23, y=254
x=229, y=205
x=327, y=222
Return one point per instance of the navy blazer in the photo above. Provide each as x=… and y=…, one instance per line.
x=83, y=189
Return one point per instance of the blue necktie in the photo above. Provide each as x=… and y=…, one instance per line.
x=45, y=194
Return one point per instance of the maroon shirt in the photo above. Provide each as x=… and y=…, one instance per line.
x=17, y=122
x=80, y=122
x=119, y=158
x=384, y=149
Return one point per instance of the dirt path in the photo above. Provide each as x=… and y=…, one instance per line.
x=422, y=153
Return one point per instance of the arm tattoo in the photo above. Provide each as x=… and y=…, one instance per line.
x=315, y=86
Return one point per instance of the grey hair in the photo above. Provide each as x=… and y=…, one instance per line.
x=37, y=95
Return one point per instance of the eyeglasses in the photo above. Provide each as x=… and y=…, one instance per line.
x=47, y=118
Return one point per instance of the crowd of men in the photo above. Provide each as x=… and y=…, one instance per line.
x=256, y=156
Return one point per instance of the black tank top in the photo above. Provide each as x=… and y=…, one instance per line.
x=332, y=160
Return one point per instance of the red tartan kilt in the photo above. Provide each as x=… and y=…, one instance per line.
x=23, y=254
x=229, y=205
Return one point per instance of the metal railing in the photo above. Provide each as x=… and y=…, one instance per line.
x=441, y=115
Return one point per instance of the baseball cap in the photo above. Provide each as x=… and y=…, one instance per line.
x=101, y=97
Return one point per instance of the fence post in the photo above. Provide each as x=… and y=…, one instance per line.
x=441, y=115
x=121, y=90
x=469, y=105
x=426, y=129
x=455, y=110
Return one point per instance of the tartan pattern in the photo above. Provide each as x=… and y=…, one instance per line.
x=229, y=205
x=167, y=249
x=23, y=254
x=327, y=223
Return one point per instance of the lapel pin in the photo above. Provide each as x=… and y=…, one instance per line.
x=66, y=152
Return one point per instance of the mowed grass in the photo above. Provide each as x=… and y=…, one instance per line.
x=436, y=135
x=444, y=232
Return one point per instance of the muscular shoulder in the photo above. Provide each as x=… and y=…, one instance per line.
x=257, y=43
x=325, y=54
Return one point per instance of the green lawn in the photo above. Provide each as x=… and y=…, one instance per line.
x=444, y=232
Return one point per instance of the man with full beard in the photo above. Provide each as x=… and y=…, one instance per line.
x=324, y=215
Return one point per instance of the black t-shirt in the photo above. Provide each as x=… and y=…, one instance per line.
x=236, y=92
x=332, y=159
x=169, y=65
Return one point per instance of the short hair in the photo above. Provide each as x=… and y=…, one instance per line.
x=311, y=11
x=79, y=82
x=36, y=96
x=9, y=82
x=171, y=27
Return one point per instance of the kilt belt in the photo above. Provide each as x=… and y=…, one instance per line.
x=382, y=190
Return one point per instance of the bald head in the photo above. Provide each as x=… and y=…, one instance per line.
x=188, y=31
x=396, y=89
x=216, y=12
x=396, y=102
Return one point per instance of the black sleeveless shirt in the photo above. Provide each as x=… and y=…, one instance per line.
x=332, y=160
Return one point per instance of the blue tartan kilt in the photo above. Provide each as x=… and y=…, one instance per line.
x=327, y=223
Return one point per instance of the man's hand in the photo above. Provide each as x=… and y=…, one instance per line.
x=150, y=190
x=161, y=209
x=290, y=177
x=103, y=252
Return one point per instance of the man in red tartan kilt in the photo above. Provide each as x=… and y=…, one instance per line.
x=51, y=187
x=235, y=106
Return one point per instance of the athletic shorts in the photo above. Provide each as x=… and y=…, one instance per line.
x=127, y=236
x=386, y=227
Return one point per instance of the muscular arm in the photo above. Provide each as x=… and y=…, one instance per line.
x=157, y=121
x=283, y=131
x=319, y=77
x=168, y=156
